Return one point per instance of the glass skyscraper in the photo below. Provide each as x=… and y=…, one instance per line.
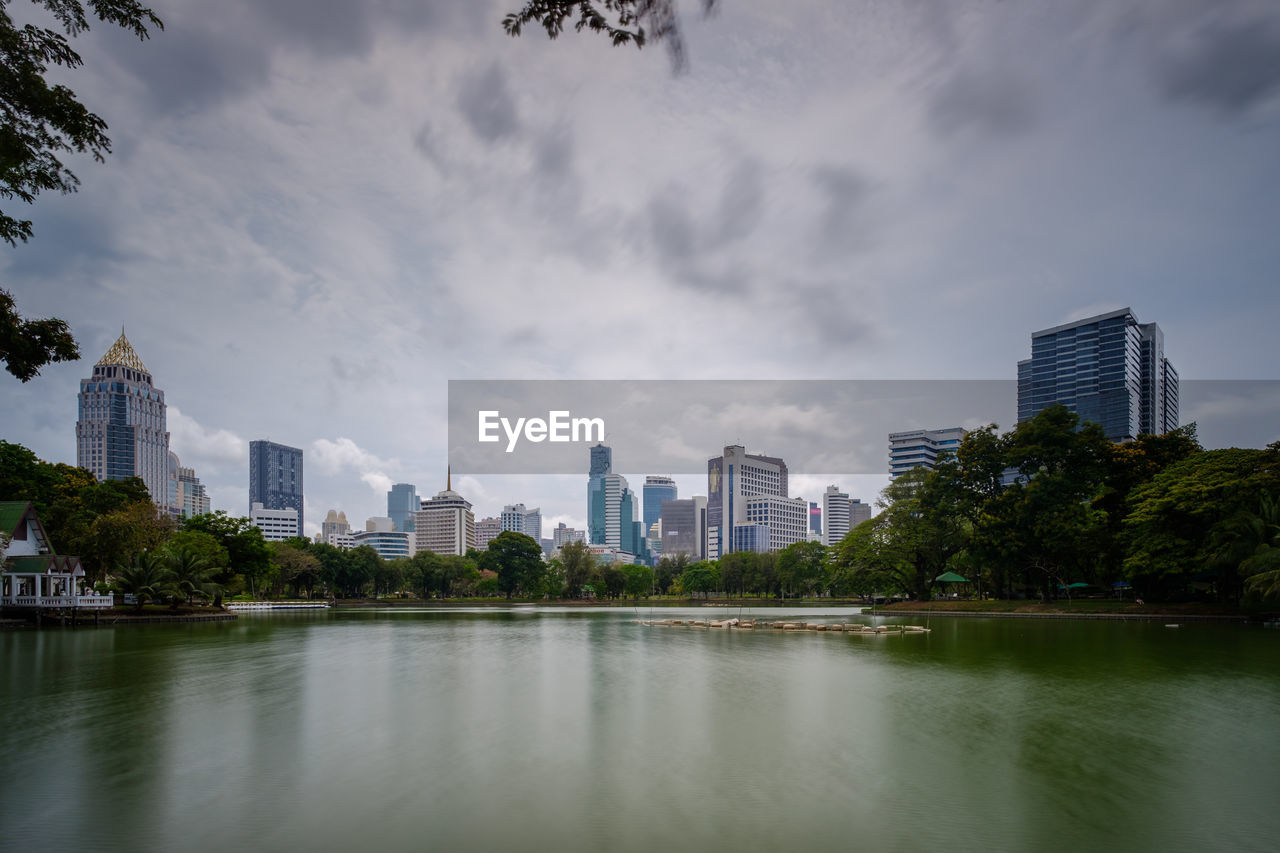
x=656, y=490
x=601, y=464
x=402, y=503
x=1109, y=369
x=275, y=477
x=120, y=427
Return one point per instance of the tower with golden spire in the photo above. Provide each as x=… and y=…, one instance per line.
x=121, y=429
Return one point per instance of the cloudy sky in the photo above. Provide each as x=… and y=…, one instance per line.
x=318, y=212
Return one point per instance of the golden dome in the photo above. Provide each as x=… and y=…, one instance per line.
x=122, y=353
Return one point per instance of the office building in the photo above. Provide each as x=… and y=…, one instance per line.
x=601, y=465
x=487, y=530
x=275, y=477
x=445, y=524
x=786, y=520
x=656, y=490
x=192, y=498
x=732, y=477
x=835, y=515
x=684, y=527
x=518, y=519
x=921, y=448
x=334, y=523
x=402, y=503
x=562, y=535
x=858, y=512
x=1109, y=369
x=276, y=525
x=815, y=519
x=121, y=429
x=389, y=544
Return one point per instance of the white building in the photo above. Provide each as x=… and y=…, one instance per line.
x=487, y=530
x=786, y=518
x=276, y=525
x=922, y=448
x=835, y=515
x=390, y=544
x=733, y=477
x=518, y=519
x=562, y=535
x=445, y=524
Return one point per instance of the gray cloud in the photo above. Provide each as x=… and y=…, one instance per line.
x=485, y=101
x=844, y=192
x=1231, y=67
x=994, y=103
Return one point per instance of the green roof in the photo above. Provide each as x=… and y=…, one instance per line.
x=950, y=577
x=11, y=512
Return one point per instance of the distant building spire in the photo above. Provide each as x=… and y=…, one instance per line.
x=448, y=478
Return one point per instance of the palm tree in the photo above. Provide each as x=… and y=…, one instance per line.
x=146, y=577
x=1260, y=541
x=192, y=575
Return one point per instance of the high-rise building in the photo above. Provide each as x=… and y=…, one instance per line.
x=731, y=478
x=275, y=477
x=335, y=524
x=921, y=448
x=487, y=530
x=389, y=544
x=785, y=520
x=445, y=524
x=192, y=497
x=656, y=490
x=835, y=515
x=520, y=519
x=815, y=519
x=563, y=535
x=684, y=527
x=1109, y=369
x=858, y=512
x=402, y=503
x=601, y=464
x=121, y=429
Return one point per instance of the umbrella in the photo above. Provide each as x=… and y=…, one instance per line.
x=1077, y=585
x=950, y=577
x=1120, y=585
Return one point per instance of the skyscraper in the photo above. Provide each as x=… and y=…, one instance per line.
x=1109, y=369
x=275, y=477
x=121, y=430
x=601, y=464
x=520, y=519
x=921, y=448
x=656, y=490
x=835, y=516
x=684, y=527
x=732, y=478
x=402, y=503
x=445, y=524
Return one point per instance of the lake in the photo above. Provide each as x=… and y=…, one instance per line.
x=577, y=729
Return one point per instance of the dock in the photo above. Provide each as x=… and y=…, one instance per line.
x=762, y=625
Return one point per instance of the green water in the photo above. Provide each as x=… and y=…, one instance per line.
x=572, y=729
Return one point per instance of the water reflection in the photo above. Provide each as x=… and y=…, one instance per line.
x=575, y=728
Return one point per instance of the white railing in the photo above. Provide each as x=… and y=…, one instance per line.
x=276, y=605
x=92, y=601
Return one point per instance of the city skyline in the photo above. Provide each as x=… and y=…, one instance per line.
x=1017, y=167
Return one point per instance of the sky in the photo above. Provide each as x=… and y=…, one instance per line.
x=319, y=212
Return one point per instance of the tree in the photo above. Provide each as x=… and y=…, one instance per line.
x=146, y=577
x=802, y=567
x=191, y=574
x=41, y=121
x=639, y=580
x=668, y=569
x=517, y=559
x=700, y=577
x=295, y=565
x=28, y=345
x=621, y=21
x=577, y=562
x=247, y=552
